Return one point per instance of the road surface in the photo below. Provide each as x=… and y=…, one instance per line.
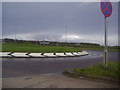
x=46, y=72
x=14, y=67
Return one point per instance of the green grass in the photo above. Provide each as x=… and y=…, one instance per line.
x=110, y=49
x=97, y=70
x=0, y=46
x=28, y=47
x=101, y=49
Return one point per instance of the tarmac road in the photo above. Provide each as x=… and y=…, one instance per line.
x=18, y=67
x=46, y=72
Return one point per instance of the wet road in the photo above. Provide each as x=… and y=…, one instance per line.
x=17, y=67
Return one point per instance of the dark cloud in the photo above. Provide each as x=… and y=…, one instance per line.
x=47, y=20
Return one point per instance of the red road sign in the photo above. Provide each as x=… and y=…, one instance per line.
x=106, y=8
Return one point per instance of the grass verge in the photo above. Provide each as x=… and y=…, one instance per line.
x=96, y=70
x=110, y=49
x=27, y=47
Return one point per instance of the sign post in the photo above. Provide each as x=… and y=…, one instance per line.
x=105, y=62
x=106, y=8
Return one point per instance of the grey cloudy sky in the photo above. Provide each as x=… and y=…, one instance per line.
x=47, y=21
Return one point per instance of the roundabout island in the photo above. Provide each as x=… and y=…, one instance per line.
x=41, y=55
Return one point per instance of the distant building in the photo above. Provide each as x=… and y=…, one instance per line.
x=44, y=42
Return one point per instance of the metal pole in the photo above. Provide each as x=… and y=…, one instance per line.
x=15, y=34
x=66, y=34
x=15, y=28
x=105, y=63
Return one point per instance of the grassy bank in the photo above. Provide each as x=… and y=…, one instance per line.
x=96, y=70
x=101, y=49
x=27, y=47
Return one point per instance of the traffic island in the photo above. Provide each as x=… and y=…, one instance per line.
x=40, y=55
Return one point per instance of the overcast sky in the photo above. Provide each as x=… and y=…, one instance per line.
x=58, y=0
x=83, y=21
